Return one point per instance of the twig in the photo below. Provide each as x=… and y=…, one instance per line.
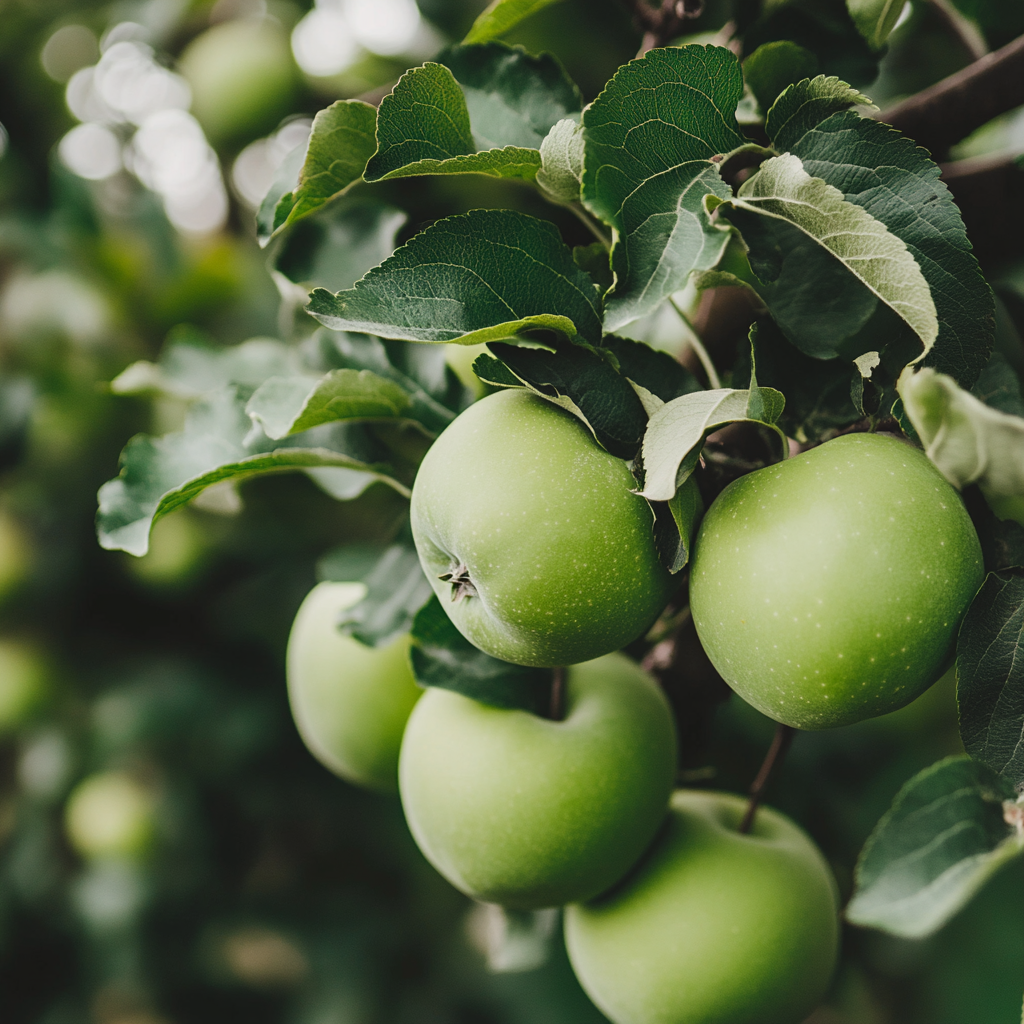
x=698, y=346
x=990, y=193
x=950, y=110
x=965, y=31
x=776, y=752
x=556, y=710
x=664, y=22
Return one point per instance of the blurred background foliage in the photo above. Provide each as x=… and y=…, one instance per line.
x=169, y=852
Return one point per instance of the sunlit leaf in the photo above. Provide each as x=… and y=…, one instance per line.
x=501, y=15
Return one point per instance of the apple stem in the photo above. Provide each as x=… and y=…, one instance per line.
x=556, y=710
x=776, y=753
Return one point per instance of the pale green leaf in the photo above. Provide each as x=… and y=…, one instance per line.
x=561, y=156
x=786, y=200
x=651, y=142
x=805, y=104
x=875, y=19
x=501, y=15
x=481, y=276
x=289, y=405
x=970, y=442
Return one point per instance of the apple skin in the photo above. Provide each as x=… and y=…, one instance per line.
x=350, y=702
x=527, y=812
x=109, y=814
x=829, y=588
x=559, y=550
x=712, y=927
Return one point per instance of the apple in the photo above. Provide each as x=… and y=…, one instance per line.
x=24, y=684
x=110, y=814
x=829, y=588
x=713, y=926
x=350, y=702
x=529, y=812
x=532, y=537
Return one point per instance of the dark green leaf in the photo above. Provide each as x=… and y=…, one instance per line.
x=675, y=525
x=585, y=384
x=775, y=65
x=396, y=590
x=999, y=387
x=442, y=656
x=653, y=370
x=945, y=835
x=219, y=442
x=990, y=675
x=338, y=247
x=650, y=142
x=341, y=142
x=481, y=276
x=593, y=259
x=892, y=179
x=806, y=104
x=494, y=371
x=514, y=98
x=501, y=15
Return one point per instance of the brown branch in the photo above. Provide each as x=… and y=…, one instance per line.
x=951, y=109
x=663, y=23
x=990, y=193
x=776, y=753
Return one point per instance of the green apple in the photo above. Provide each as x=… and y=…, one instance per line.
x=24, y=684
x=829, y=588
x=529, y=812
x=242, y=78
x=350, y=702
x=110, y=814
x=713, y=926
x=532, y=537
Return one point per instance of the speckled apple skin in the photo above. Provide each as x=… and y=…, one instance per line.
x=829, y=588
x=712, y=927
x=560, y=550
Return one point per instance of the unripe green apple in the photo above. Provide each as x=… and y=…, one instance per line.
x=350, y=702
x=242, y=78
x=829, y=588
x=713, y=926
x=23, y=684
x=529, y=812
x=109, y=814
x=531, y=536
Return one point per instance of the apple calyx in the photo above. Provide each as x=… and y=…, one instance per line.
x=462, y=585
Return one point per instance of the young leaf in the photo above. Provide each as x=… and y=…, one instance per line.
x=806, y=104
x=582, y=382
x=561, y=158
x=341, y=142
x=774, y=66
x=894, y=180
x=990, y=675
x=501, y=15
x=442, y=656
x=219, y=442
x=289, y=405
x=396, y=590
x=676, y=433
x=797, y=228
x=969, y=441
x=338, y=247
x=945, y=835
x=481, y=276
x=875, y=19
x=651, y=139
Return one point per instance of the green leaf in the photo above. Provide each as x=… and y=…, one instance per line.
x=945, y=835
x=289, y=405
x=396, y=590
x=501, y=15
x=999, y=387
x=990, y=675
x=875, y=19
x=825, y=264
x=774, y=66
x=514, y=98
x=443, y=657
x=894, y=180
x=341, y=142
x=676, y=433
x=970, y=442
x=675, y=525
x=220, y=442
x=655, y=371
x=515, y=940
x=650, y=142
x=481, y=276
x=280, y=194
x=336, y=248
x=585, y=384
x=806, y=104
x=561, y=157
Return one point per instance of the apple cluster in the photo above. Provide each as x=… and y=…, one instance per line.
x=826, y=589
